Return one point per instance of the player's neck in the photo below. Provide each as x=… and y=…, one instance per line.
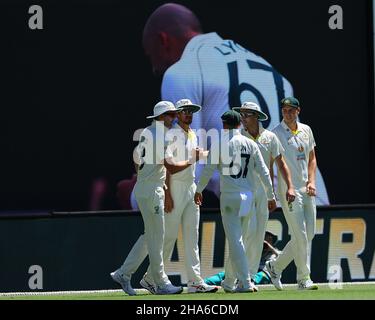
x=292, y=125
x=253, y=131
x=184, y=126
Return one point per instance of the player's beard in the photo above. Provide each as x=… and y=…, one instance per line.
x=188, y=120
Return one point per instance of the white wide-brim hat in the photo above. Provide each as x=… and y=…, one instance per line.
x=163, y=107
x=187, y=104
x=252, y=106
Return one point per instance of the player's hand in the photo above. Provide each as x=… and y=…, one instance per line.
x=168, y=202
x=272, y=205
x=310, y=189
x=198, y=198
x=197, y=154
x=290, y=195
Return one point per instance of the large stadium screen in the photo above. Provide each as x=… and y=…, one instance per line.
x=78, y=84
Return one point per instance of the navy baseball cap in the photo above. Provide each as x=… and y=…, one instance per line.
x=290, y=101
x=231, y=118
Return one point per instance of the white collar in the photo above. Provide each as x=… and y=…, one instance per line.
x=285, y=126
x=198, y=39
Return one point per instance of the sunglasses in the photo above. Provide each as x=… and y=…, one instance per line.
x=247, y=114
x=187, y=112
x=171, y=114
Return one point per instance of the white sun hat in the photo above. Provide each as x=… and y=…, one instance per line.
x=187, y=104
x=252, y=106
x=163, y=107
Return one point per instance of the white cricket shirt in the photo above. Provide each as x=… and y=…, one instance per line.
x=297, y=147
x=268, y=143
x=236, y=178
x=181, y=145
x=151, y=151
x=219, y=74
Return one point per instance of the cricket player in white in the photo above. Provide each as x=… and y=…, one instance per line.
x=149, y=191
x=298, y=142
x=270, y=148
x=213, y=72
x=180, y=207
x=238, y=160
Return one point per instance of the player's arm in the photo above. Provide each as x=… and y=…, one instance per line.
x=272, y=175
x=285, y=172
x=206, y=174
x=171, y=164
x=205, y=177
x=168, y=201
x=137, y=156
x=177, y=166
x=174, y=167
x=310, y=186
x=264, y=175
x=269, y=247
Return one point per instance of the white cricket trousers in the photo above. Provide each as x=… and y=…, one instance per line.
x=186, y=213
x=135, y=257
x=235, y=228
x=150, y=199
x=301, y=219
x=257, y=228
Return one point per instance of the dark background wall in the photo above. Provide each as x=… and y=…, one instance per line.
x=77, y=252
x=73, y=93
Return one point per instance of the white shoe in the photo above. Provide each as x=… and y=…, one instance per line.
x=151, y=287
x=125, y=284
x=243, y=288
x=169, y=288
x=307, y=284
x=202, y=288
x=226, y=287
x=275, y=277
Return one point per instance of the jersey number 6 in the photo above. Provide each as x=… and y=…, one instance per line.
x=235, y=88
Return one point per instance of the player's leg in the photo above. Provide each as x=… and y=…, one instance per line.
x=256, y=232
x=294, y=249
x=294, y=215
x=230, y=205
x=190, y=232
x=172, y=221
x=229, y=282
x=230, y=275
x=151, y=205
x=310, y=218
x=216, y=279
x=135, y=257
x=245, y=222
x=305, y=282
x=286, y=256
x=132, y=262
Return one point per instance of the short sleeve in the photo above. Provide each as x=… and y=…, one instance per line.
x=312, y=143
x=276, y=147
